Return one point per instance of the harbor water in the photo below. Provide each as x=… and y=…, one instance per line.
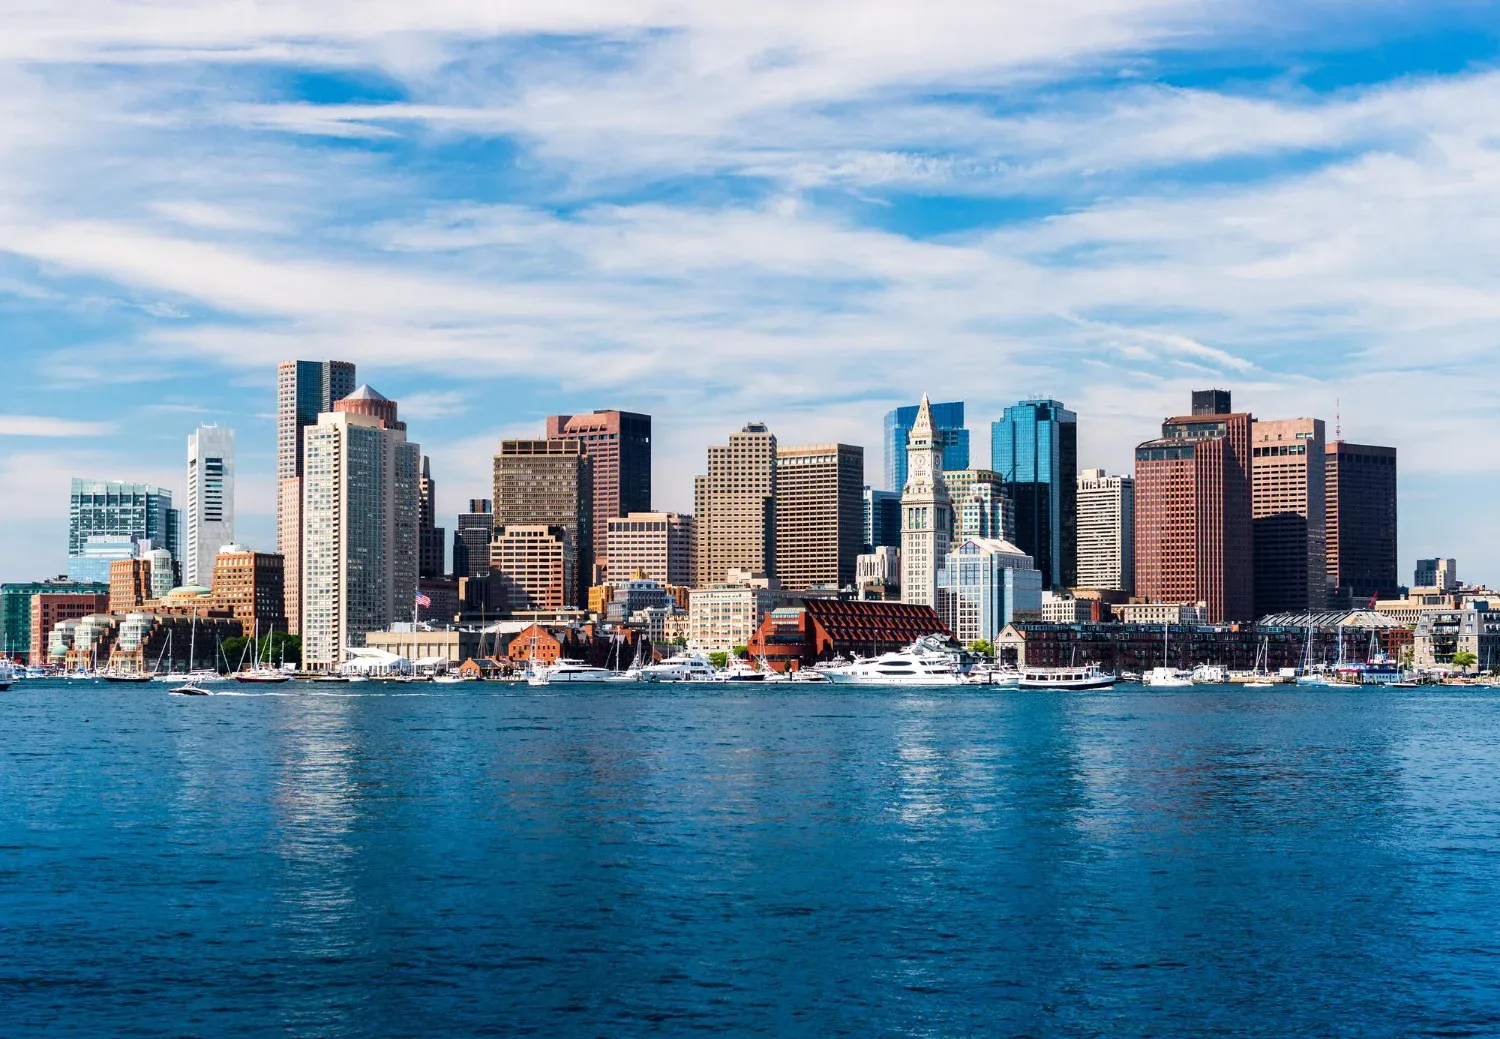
x=623, y=860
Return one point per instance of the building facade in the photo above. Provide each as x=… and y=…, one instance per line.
x=251, y=586
x=46, y=610
x=111, y=509
x=659, y=544
x=549, y=483
x=15, y=610
x=1193, y=521
x=361, y=499
x=432, y=540
x=1287, y=474
x=618, y=444
x=533, y=567
x=985, y=585
x=878, y=573
x=129, y=584
x=981, y=506
x=471, y=539
x=1360, y=522
x=1441, y=574
x=210, y=499
x=1034, y=448
x=797, y=636
x=1442, y=634
x=948, y=430
x=882, y=519
x=1161, y=613
x=819, y=515
x=734, y=506
x=926, y=513
x=304, y=390
x=727, y=614
x=1106, y=531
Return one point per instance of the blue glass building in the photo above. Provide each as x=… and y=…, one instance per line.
x=947, y=420
x=110, y=509
x=882, y=519
x=1035, y=448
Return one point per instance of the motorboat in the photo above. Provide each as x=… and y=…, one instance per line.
x=924, y=663
x=263, y=676
x=190, y=689
x=1210, y=674
x=125, y=676
x=1066, y=678
x=997, y=675
x=684, y=667
x=567, y=671
x=1167, y=677
x=7, y=675
x=739, y=671
x=808, y=674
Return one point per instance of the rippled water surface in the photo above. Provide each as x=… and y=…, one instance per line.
x=500, y=860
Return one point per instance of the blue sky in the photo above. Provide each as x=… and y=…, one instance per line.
x=804, y=214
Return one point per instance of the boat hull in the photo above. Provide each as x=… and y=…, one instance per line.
x=1101, y=682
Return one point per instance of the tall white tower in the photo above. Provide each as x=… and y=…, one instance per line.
x=926, y=513
x=210, y=500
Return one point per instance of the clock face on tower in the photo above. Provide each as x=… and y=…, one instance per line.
x=921, y=467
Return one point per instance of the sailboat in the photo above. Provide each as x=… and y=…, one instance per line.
x=261, y=673
x=1166, y=675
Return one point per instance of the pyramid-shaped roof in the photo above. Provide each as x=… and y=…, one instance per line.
x=366, y=392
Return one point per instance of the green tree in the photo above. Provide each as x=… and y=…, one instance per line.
x=983, y=646
x=718, y=658
x=1464, y=660
x=231, y=650
x=741, y=651
x=1408, y=657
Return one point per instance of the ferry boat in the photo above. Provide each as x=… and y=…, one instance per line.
x=567, y=671
x=1166, y=677
x=1086, y=677
x=923, y=663
x=684, y=667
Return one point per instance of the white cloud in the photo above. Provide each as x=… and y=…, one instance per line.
x=45, y=426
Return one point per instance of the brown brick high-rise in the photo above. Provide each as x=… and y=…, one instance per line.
x=1193, y=531
x=619, y=447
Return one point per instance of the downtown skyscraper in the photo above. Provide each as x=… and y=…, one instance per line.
x=1360, y=515
x=819, y=514
x=107, y=519
x=734, y=506
x=618, y=444
x=1034, y=448
x=209, y=509
x=304, y=390
x=926, y=513
x=951, y=434
x=1287, y=467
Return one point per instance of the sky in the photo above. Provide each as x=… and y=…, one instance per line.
x=715, y=213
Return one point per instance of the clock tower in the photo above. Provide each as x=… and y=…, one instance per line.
x=926, y=513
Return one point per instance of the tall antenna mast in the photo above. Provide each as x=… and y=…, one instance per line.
x=1338, y=419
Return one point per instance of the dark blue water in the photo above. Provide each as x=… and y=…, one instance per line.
x=499, y=860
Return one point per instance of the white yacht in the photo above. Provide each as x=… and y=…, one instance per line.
x=923, y=663
x=1210, y=674
x=739, y=671
x=1085, y=677
x=1167, y=677
x=7, y=675
x=567, y=671
x=684, y=667
x=997, y=675
x=808, y=674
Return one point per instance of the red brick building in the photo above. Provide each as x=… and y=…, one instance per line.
x=1193, y=528
x=535, y=643
x=820, y=629
x=48, y=609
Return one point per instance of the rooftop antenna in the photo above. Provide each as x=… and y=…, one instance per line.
x=1338, y=419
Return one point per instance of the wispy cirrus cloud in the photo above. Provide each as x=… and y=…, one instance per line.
x=47, y=426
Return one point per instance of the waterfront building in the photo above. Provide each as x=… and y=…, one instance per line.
x=49, y=609
x=1441, y=634
x=984, y=585
x=471, y=539
x=734, y=506
x=618, y=444
x=414, y=642
x=210, y=499
x=361, y=499
x=129, y=584
x=657, y=544
x=1360, y=521
x=432, y=548
x=251, y=586
x=1287, y=473
x=634, y=595
x=1441, y=574
x=949, y=432
x=304, y=390
x=533, y=567
x=882, y=519
x=123, y=513
x=1106, y=531
x=549, y=483
x=819, y=514
x=725, y=615
x=1161, y=613
x=16, y=629
x=981, y=506
x=1034, y=448
x=1064, y=609
x=1193, y=518
x=796, y=636
x=926, y=513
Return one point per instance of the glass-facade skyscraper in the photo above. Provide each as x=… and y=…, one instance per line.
x=112, y=509
x=947, y=422
x=1035, y=448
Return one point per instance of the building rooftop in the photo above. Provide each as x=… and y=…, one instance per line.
x=366, y=392
x=1329, y=619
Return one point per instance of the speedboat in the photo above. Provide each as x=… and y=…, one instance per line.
x=684, y=667
x=568, y=671
x=190, y=689
x=1086, y=677
x=1167, y=677
x=923, y=663
x=739, y=671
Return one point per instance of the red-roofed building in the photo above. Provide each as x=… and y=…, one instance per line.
x=820, y=629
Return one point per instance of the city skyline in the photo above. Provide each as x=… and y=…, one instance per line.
x=1106, y=209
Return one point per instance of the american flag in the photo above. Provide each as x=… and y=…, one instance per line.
x=423, y=600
